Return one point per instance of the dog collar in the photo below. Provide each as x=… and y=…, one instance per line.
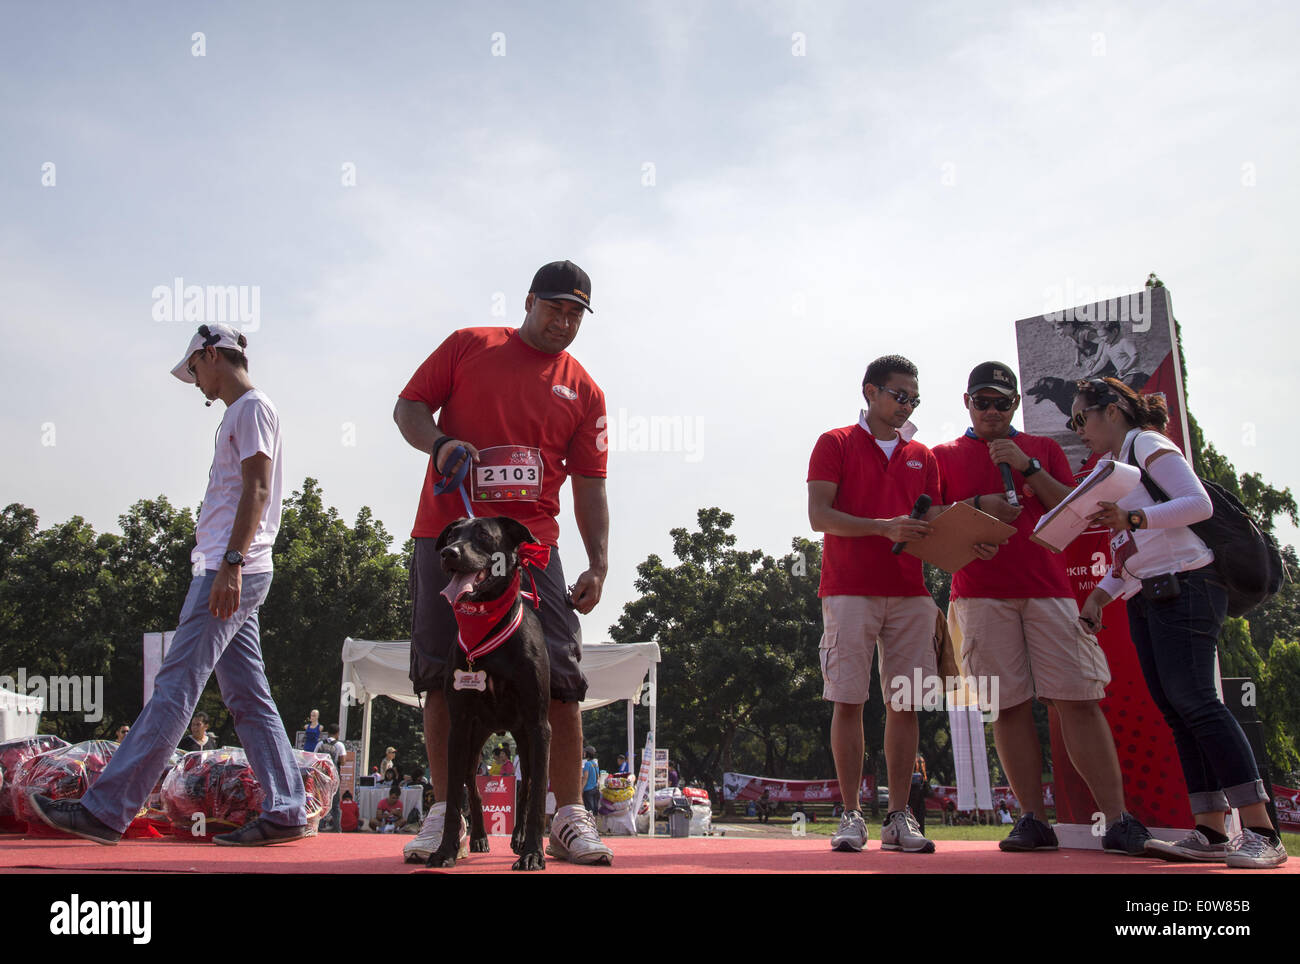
x=484, y=626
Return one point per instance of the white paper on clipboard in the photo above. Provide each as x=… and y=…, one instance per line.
x=1110, y=481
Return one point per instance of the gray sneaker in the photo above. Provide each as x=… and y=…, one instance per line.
x=71, y=817
x=1193, y=847
x=902, y=832
x=852, y=835
x=1256, y=852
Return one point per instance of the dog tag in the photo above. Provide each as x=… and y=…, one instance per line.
x=508, y=473
x=462, y=680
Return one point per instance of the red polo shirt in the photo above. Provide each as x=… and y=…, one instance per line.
x=1021, y=569
x=490, y=389
x=871, y=487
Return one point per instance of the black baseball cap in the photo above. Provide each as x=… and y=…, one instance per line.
x=562, y=281
x=992, y=374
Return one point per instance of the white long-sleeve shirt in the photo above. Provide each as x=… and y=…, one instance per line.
x=1166, y=544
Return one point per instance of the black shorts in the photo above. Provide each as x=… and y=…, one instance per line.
x=433, y=625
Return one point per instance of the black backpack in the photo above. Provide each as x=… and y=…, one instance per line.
x=1245, y=556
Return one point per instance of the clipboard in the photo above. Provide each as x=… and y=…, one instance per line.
x=955, y=533
x=1110, y=481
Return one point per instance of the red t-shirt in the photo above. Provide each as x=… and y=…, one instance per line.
x=1021, y=569
x=349, y=815
x=493, y=389
x=872, y=488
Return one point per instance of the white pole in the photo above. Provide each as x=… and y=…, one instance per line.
x=631, y=739
x=653, y=743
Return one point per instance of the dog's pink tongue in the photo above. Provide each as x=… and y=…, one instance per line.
x=461, y=583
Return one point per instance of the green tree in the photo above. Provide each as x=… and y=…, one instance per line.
x=738, y=631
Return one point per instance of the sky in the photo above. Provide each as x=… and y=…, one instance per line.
x=766, y=196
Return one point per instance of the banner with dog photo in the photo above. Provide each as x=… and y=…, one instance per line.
x=1131, y=337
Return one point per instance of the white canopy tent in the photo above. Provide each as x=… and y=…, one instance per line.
x=20, y=714
x=614, y=671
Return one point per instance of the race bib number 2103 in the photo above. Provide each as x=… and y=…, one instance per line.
x=508, y=473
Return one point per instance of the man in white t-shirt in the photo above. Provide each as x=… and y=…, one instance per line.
x=218, y=628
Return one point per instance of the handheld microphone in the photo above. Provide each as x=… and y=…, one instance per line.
x=921, y=507
x=1008, y=483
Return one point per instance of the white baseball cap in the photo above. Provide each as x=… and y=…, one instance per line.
x=216, y=336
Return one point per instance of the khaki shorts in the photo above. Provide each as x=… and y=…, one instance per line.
x=1034, y=647
x=852, y=625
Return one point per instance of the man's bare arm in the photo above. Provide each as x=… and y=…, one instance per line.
x=416, y=423
x=591, y=511
x=255, y=473
x=824, y=518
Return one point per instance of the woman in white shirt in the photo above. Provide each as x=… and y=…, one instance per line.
x=1176, y=608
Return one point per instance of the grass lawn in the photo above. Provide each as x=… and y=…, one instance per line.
x=936, y=831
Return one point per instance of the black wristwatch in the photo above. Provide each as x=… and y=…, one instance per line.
x=1034, y=466
x=1134, y=520
x=233, y=557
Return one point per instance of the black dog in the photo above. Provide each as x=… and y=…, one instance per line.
x=499, y=678
x=1056, y=390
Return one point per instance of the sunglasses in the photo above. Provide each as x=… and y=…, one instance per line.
x=1080, y=418
x=982, y=404
x=902, y=398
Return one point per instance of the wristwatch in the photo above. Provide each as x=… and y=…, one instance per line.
x=234, y=557
x=1134, y=520
x=1034, y=466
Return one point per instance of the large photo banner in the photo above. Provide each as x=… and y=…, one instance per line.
x=1131, y=337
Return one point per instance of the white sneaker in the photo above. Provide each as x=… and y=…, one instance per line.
x=1256, y=852
x=574, y=837
x=851, y=837
x=429, y=838
x=902, y=832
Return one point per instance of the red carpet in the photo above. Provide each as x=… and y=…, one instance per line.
x=375, y=854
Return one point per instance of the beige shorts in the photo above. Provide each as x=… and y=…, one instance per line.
x=852, y=625
x=1034, y=647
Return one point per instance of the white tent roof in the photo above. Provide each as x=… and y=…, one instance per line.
x=20, y=714
x=614, y=671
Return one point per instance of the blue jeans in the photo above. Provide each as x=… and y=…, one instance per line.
x=1176, y=642
x=204, y=644
x=336, y=811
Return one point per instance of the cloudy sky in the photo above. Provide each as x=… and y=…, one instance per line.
x=766, y=196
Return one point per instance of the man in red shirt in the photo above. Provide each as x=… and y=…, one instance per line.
x=863, y=481
x=529, y=416
x=1017, y=618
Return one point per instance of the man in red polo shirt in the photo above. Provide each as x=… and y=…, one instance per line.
x=529, y=416
x=863, y=481
x=1017, y=618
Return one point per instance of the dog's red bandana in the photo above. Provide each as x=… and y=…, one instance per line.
x=476, y=620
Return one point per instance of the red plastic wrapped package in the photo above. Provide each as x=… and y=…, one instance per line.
x=12, y=753
x=65, y=773
x=214, y=791
x=152, y=820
